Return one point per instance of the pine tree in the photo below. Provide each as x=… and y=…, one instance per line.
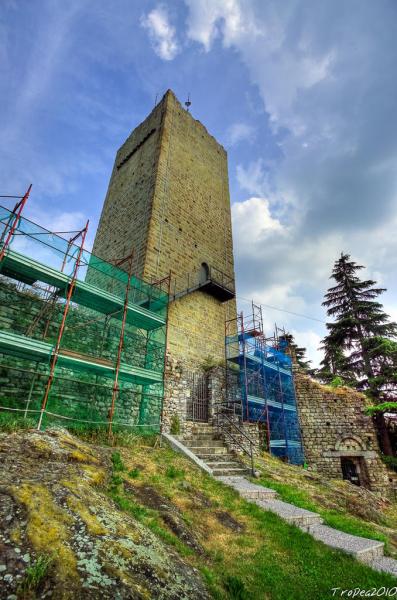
x=334, y=367
x=298, y=352
x=359, y=344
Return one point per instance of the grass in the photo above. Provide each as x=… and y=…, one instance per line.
x=174, y=473
x=334, y=518
x=10, y=422
x=94, y=434
x=254, y=556
x=242, y=552
x=36, y=573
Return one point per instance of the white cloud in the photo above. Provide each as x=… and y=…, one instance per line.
x=161, y=33
x=239, y=132
x=253, y=178
x=209, y=19
x=253, y=223
x=329, y=105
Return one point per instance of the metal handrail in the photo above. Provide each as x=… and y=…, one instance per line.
x=221, y=426
x=189, y=282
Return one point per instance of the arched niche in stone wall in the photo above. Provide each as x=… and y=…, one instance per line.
x=350, y=442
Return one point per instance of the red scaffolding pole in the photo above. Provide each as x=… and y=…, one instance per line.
x=121, y=341
x=18, y=208
x=55, y=355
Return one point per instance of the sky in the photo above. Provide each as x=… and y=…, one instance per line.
x=301, y=93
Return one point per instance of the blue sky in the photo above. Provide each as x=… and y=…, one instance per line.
x=302, y=94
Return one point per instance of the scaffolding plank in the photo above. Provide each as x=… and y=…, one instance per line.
x=274, y=403
x=36, y=350
x=20, y=266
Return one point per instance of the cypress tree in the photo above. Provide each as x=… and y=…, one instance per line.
x=360, y=339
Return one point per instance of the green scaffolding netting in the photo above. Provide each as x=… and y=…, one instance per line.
x=36, y=274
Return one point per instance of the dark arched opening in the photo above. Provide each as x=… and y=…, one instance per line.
x=204, y=272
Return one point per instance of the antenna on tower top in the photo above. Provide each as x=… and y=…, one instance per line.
x=188, y=103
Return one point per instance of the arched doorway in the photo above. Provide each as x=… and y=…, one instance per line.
x=351, y=449
x=204, y=272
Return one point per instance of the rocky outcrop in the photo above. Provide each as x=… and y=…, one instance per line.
x=55, y=512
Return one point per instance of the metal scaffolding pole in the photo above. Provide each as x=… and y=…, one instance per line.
x=121, y=341
x=55, y=354
x=17, y=212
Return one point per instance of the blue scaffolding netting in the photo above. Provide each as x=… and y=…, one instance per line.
x=262, y=369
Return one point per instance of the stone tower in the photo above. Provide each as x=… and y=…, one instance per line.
x=168, y=202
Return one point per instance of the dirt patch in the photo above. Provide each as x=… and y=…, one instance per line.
x=181, y=530
x=228, y=521
x=169, y=513
x=149, y=496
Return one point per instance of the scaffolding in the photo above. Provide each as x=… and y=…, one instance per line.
x=260, y=384
x=82, y=340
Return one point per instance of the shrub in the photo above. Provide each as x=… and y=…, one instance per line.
x=235, y=588
x=174, y=473
x=117, y=462
x=175, y=425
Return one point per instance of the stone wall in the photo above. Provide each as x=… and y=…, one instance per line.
x=168, y=201
x=178, y=393
x=334, y=425
x=85, y=332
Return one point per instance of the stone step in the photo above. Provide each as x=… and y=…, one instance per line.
x=202, y=428
x=215, y=464
x=199, y=435
x=229, y=472
x=197, y=442
x=203, y=440
x=363, y=549
x=205, y=450
x=210, y=458
x=290, y=513
x=385, y=564
x=248, y=490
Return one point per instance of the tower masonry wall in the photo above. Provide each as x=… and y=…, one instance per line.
x=191, y=225
x=124, y=223
x=168, y=202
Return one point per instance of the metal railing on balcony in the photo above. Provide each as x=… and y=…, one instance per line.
x=210, y=279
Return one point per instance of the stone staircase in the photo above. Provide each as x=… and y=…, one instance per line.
x=363, y=549
x=205, y=443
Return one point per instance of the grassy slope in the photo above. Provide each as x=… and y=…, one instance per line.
x=248, y=554
x=241, y=551
x=342, y=505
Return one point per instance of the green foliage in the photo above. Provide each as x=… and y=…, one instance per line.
x=13, y=422
x=383, y=407
x=122, y=437
x=128, y=505
x=175, y=428
x=297, y=352
x=390, y=461
x=336, y=382
x=134, y=473
x=117, y=462
x=115, y=481
x=235, y=588
x=36, y=573
x=359, y=347
x=174, y=473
